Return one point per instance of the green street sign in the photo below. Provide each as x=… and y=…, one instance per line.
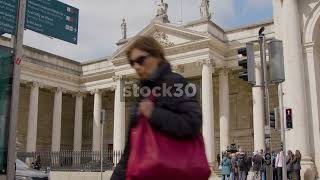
x=8, y=16
x=53, y=18
x=6, y=75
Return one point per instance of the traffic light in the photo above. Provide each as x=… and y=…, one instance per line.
x=275, y=119
x=244, y=64
x=247, y=63
x=272, y=120
x=289, y=123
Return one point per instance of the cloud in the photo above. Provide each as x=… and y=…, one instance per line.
x=99, y=23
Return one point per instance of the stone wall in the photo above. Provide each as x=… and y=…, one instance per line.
x=22, y=122
x=45, y=116
x=67, y=121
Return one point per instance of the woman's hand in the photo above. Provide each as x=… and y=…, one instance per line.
x=146, y=107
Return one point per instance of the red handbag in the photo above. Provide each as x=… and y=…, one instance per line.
x=156, y=156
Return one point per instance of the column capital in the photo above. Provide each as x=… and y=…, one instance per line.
x=79, y=94
x=95, y=91
x=178, y=68
x=117, y=77
x=34, y=84
x=223, y=71
x=58, y=89
x=206, y=62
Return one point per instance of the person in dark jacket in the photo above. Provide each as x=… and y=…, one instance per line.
x=177, y=115
x=256, y=165
x=274, y=169
x=289, y=162
x=242, y=162
x=297, y=165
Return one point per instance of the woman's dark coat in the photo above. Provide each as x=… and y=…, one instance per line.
x=179, y=117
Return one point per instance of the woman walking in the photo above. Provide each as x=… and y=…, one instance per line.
x=226, y=167
x=178, y=117
x=297, y=165
x=289, y=163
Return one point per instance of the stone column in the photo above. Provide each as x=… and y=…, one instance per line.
x=314, y=96
x=77, y=133
x=207, y=110
x=224, y=110
x=96, y=120
x=258, y=111
x=119, y=117
x=77, y=137
x=33, y=118
x=294, y=86
x=56, y=125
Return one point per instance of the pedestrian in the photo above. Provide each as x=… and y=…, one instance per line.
x=274, y=169
x=235, y=169
x=176, y=116
x=279, y=164
x=242, y=162
x=297, y=165
x=256, y=165
x=263, y=166
x=219, y=159
x=289, y=163
x=37, y=163
x=226, y=167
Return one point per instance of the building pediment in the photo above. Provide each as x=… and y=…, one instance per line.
x=167, y=35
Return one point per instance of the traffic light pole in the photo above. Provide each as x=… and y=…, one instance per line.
x=265, y=86
x=18, y=45
x=283, y=133
x=102, y=121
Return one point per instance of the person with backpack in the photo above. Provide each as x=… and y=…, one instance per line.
x=242, y=164
x=256, y=165
x=226, y=166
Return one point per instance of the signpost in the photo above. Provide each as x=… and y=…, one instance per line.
x=8, y=16
x=53, y=18
x=48, y=17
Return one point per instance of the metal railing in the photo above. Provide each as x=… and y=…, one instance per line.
x=86, y=160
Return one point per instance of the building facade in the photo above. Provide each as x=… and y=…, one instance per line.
x=60, y=99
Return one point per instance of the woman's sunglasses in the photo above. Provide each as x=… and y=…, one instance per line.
x=140, y=60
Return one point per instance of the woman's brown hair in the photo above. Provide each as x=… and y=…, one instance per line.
x=149, y=45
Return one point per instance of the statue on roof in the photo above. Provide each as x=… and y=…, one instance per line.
x=124, y=29
x=162, y=9
x=161, y=13
x=204, y=10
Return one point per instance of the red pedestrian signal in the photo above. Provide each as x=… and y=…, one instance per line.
x=289, y=122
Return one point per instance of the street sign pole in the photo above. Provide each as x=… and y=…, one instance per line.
x=266, y=99
x=103, y=118
x=15, y=90
x=283, y=133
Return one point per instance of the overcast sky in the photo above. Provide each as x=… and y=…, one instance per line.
x=99, y=22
